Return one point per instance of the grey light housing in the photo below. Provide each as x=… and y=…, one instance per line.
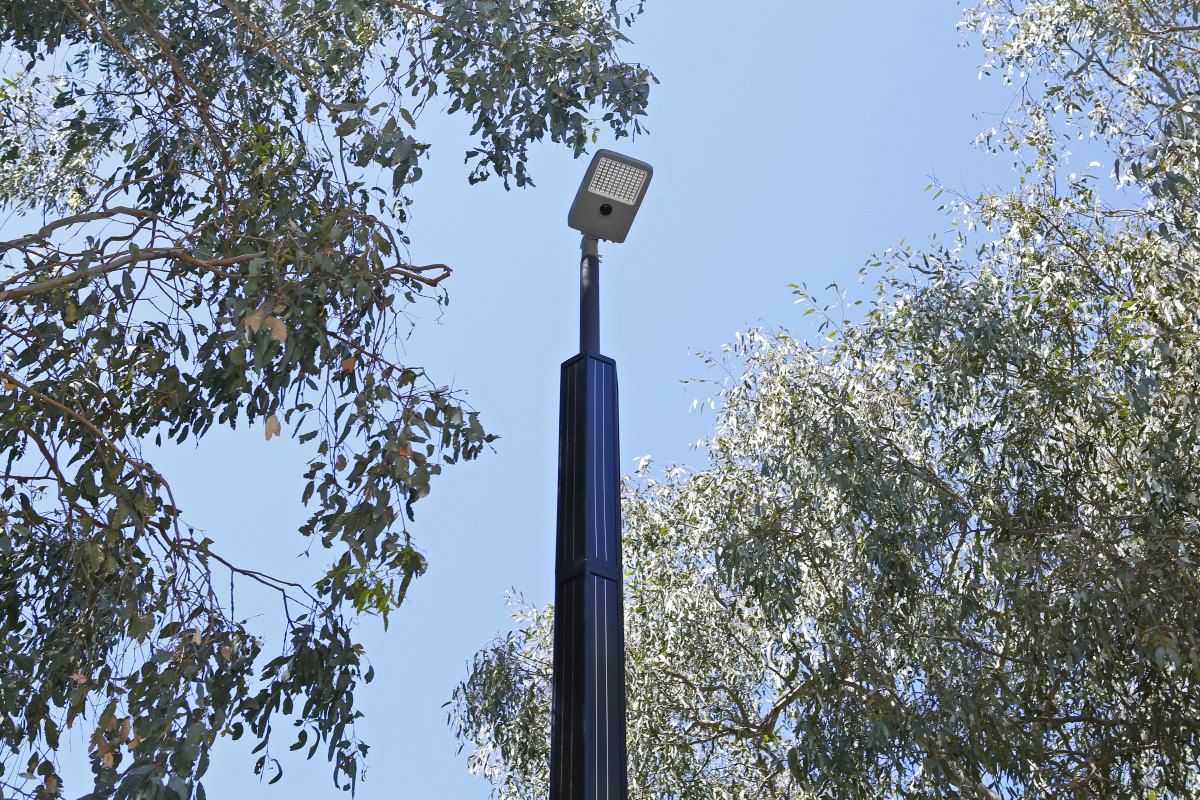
x=610, y=195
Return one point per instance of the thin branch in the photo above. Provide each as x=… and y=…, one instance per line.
x=149, y=254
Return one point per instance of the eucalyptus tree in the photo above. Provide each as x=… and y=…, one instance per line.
x=206, y=203
x=950, y=550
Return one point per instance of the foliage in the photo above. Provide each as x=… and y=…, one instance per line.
x=952, y=551
x=207, y=204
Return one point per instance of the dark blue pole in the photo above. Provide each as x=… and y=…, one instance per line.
x=587, y=753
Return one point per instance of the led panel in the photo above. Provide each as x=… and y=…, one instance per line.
x=617, y=181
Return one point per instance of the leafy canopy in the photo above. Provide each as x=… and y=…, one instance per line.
x=953, y=550
x=207, y=204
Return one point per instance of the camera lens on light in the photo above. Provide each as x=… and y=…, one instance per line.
x=606, y=209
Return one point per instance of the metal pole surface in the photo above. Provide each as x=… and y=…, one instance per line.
x=588, y=749
x=589, y=296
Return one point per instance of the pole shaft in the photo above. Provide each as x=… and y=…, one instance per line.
x=589, y=296
x=588, y=759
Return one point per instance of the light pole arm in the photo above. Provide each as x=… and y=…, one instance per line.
x=589, y=295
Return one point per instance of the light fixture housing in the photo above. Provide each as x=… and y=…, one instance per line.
x=609, y=197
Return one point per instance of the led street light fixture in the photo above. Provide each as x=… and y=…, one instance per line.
x=610, y=195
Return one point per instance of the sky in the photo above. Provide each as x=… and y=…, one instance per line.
x=790, y=141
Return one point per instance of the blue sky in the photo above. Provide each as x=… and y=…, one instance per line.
x=790, y=140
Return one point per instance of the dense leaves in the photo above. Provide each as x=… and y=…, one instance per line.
x=206, y=202
x=952, y=551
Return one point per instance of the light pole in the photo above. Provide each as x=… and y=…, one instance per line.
x=587, y=748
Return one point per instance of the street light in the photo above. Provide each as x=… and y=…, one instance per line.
x=587, y=745
x=607, y=201
x=610, y=196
